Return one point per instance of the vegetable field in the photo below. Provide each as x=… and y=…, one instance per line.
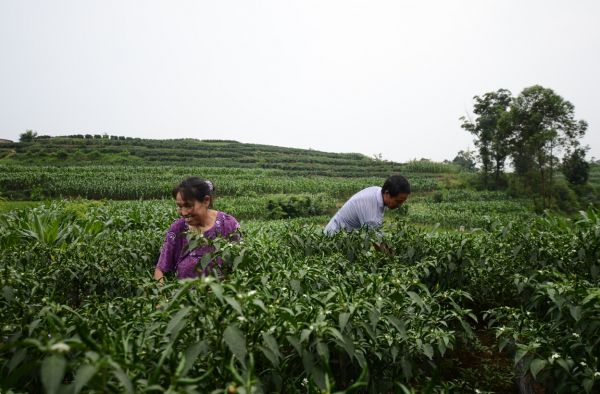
x=298, y=311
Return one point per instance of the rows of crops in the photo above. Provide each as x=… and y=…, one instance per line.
x=96, y=182
x=230, y=154
x=298, y=311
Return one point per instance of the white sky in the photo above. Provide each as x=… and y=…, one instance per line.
x=389, y=77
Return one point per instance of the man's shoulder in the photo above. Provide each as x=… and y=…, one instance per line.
x=367, y=193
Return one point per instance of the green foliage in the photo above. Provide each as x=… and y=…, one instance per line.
x=291, y=315
x=575, y=168
x=28, y=136
x=205, y=153
x=466, y=160
x=532, y=129
x=428, y=166
x=298, y=310
x=298, y=206
x=133, y=182
x=564, y=198
x=491, y=131
x=62, y=154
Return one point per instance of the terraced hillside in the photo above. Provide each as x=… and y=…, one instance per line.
x=92, y=150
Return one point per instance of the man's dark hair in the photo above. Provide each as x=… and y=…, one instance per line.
x=395, y=185
x=194, y=188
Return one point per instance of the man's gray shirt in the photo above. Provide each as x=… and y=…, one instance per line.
x=365, y=208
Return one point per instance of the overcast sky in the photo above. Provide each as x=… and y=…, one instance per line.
x=389, y=77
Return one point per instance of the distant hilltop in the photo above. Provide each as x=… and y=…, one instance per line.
x=3, y=141
x=87, y=149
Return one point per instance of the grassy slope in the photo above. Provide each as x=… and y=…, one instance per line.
x=69, y=151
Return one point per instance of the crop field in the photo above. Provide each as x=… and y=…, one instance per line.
x=467, y=275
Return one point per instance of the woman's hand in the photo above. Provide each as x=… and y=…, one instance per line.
x=159, y=276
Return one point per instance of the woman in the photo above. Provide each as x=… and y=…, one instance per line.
x=194, y=198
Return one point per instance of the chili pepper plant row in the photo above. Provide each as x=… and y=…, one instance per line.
x=296, y=311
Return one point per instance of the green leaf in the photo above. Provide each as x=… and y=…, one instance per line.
x=343, y=319
x=177, y=323
x=305, y=335
x=308, y=362
x=536, y=366
x=399, y=324
x=260, y=304
x=124, y=379
x=270, y=356
x=33, y=325
x=588, y=385
x=295, y=343
x=428, y=350
x=416, y=299
x=235, y=340
x=519, y=355
x=191, y=354
x=563, y=363
x=349, y=346
x=52, y=372
x=323, y=350
x=205, y=260
x=441, y=346
x=575, y=312
x=335, y=333
x=234, y=304
x=395, y=352
x=217, y=290
x=271, y=343
x=83, y=376
x=16, y=359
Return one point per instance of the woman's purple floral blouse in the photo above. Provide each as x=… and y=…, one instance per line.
x=174, y=255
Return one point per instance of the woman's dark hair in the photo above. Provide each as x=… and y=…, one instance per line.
x=194, y=188
x=396, y=184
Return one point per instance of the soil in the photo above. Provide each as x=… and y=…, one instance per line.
x=481, y=365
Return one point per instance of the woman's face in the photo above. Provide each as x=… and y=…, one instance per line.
x=193, y=211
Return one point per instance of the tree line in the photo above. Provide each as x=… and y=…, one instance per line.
x=536, y=133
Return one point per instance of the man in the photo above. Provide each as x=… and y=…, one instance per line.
x=365, y=208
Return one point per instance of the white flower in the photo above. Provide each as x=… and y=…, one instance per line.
x=583, y=364
x=555, y=356
x=304, y=382
x=60, y=347
x=576, y=335
x=597, y=374
x=251, y=293
x=242, y=318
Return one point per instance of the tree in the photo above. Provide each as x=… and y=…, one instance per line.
x=575, y=168
x=465, y=159
x=28, y=136
x=541, y=125
x=490, y=129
